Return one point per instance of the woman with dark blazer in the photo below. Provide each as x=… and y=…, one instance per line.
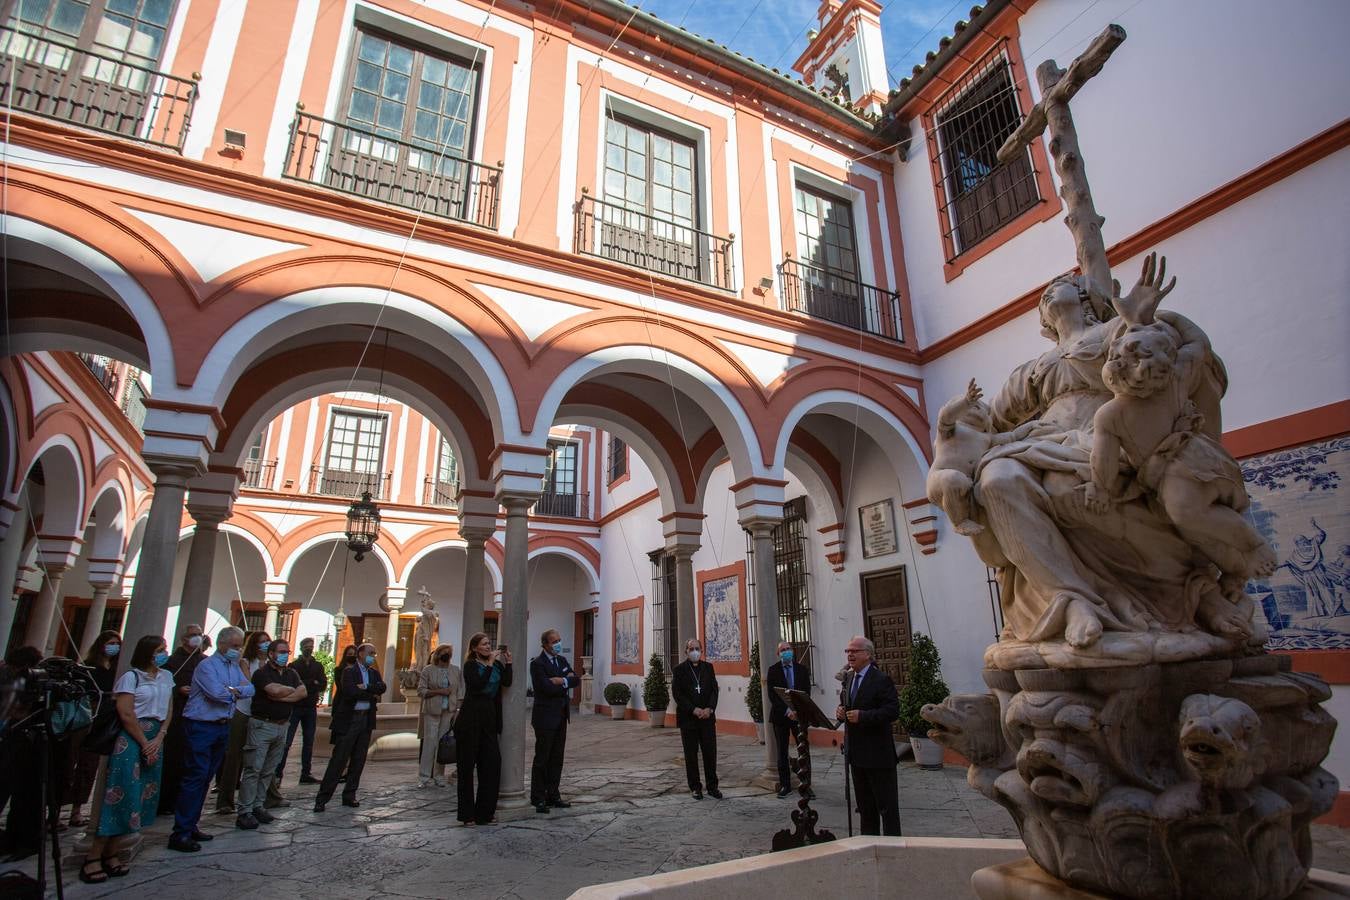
x=486, y=672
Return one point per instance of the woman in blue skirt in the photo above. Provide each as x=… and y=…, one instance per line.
x=131, y=795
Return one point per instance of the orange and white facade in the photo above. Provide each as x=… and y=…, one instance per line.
x=617, y=327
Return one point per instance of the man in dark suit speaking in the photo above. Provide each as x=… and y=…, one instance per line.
x=868, y=705
x=354, y=717
x=553, y=680
x=792, y=675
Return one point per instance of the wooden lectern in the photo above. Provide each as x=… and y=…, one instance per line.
x=803, y=817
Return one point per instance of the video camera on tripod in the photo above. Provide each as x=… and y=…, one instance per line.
x=53, y=681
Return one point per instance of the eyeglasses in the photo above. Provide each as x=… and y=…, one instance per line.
x=855, y=650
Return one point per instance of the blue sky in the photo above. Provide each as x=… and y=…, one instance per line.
x=773, y=32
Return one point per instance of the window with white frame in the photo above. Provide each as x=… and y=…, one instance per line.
x=355, y=454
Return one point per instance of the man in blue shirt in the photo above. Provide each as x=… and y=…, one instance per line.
x=216, y=685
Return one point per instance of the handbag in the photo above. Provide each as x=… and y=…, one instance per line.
x=447, y=751
x=71, y=715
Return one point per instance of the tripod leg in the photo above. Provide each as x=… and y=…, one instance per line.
x=848, y=795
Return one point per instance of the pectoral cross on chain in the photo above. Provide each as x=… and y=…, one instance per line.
x=1058, y=86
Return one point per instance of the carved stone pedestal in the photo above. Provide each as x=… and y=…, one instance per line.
x=1186, y=780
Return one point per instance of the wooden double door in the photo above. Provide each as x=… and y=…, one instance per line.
x=886, y=621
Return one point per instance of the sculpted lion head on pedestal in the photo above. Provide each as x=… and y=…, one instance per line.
x=1221, y=740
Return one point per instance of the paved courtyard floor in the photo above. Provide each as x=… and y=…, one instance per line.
x=632, y=816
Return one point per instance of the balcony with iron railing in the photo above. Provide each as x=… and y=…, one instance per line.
x=102, y=369
x=341, y=483
x=91, y=90
x=413, y=175
x=564, y=504
x=823, y=294
x=648, y=242
x=258, y=473
x=439, y=493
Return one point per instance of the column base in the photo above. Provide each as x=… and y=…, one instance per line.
x=512, y=800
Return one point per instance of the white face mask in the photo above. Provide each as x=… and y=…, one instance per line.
x=695, y=655
x=195, y=641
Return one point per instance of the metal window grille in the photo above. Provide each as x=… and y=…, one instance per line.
x=618, y=459
x=790, y=555
x=133, y=401
x=978, y=194
x=665, y=609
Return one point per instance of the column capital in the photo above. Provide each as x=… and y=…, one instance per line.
x=477, y=536
x=174, y=472
x=682, y=552
x=517, y=501
x=760, y=526
x=395, y=596
x=759, y=500
x=212, y=494
x=57, y=551
x=206, y=518
x=683, y=529
x=274, y=592
x=105, y=573
x=518, y=470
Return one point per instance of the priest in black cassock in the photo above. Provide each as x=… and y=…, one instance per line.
x=694, y=686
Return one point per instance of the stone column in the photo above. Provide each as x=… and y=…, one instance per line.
x=475, y=572
x=154, y=573
x=396, y=595
x=685, y=602
x=201, y=565
x=768, y=627
x=46, y=609
x=514, y=632
x=11, y=548
x=93, y=626
x=274, y=594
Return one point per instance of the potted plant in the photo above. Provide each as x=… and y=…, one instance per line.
x=925, y=685
x=616, y=695
x=655, y=693
x=754, y=697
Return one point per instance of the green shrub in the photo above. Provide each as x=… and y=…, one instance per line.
x=655, y=693
x=617, y=693
x=754, y=695
x=925, y=685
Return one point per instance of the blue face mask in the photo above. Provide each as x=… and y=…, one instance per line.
x=112, y=649
x=786, y=656
x=282, y=658
x=263, y=645
x=557, y=648
x=232, y=655
x=370, y=661
x=161, y=658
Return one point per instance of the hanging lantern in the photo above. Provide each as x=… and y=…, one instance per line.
x=363, y=526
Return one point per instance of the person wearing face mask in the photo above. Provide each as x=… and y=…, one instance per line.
x=789, y=674
x=441, y=687
x=694, y=687
x=353, y=720
x=183, y=662
x=553, y=680
x=102, y=662
x=277, y=689
x=478, y=730
x=254, y=658
x=131, y=797
x=305, y=715
x=217, y=685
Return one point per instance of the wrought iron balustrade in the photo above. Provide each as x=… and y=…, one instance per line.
x=414, y=175
x=439, y=493
x=835, y=298
x=61, y=81
x=342, y=483
x=568, y=505
x=102, y=369
x=648, y=242
x=258, y=473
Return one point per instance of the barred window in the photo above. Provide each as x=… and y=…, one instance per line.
x=665, y=609
x=618, y=459
x=790, y=548
x=981, y=195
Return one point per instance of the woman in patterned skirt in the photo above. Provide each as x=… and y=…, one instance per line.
x=132, y=793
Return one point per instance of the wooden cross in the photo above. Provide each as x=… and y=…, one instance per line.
x=1058, y=86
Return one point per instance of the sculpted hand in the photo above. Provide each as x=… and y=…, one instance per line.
x=973, y=393
x=1096, y=498
x=1138, y=306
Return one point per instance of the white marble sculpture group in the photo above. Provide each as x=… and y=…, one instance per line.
x=1136, y=731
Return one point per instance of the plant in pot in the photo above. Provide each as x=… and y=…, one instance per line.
x=754, y=696
x=925, y=685
x=655, y=693
x=616, y=695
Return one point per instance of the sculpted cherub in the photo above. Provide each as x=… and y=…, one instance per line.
x=965, y=432
x=1152, y=369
